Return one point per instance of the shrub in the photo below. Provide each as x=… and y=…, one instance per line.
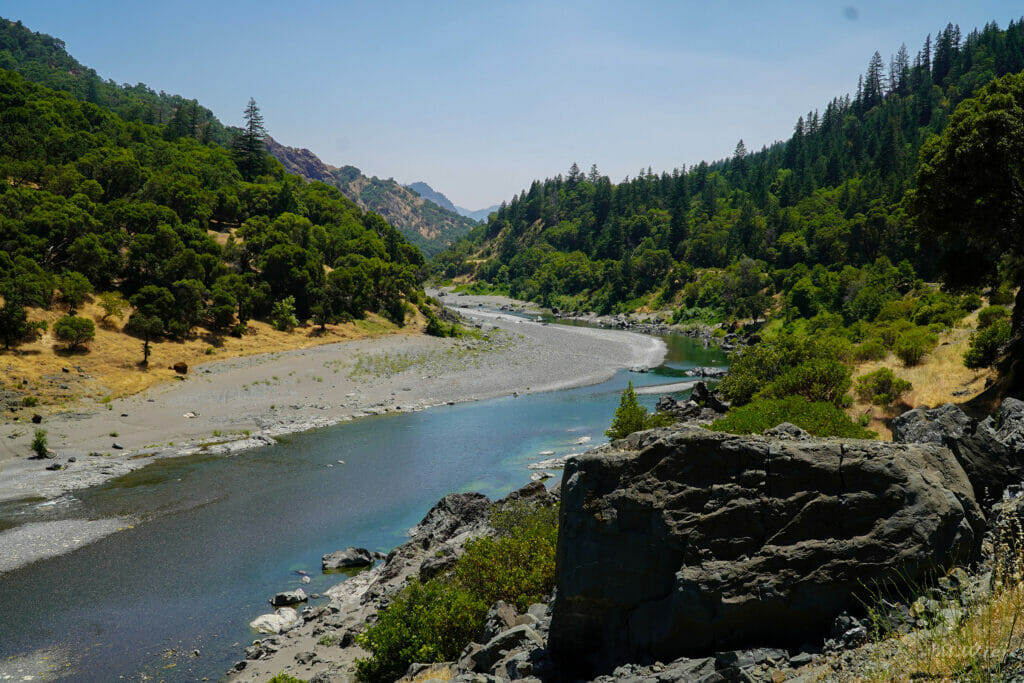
x=900, y=309
x=970, y=302
x=819, y=418
x=113, y=305
x=74, y=330
x=985, y=344
x=518, y=567
x=992, y=314
x=881, y=387
x=912, y=345
x=286, y=678
x=282, y=315
x=818, y=379
x=870, y=349
x=39, y=445
x=425, y=622
x=1000, y=297
x=755, y=368
x=433, y=621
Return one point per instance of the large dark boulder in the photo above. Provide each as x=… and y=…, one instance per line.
x=990, y=451
x=685, y=542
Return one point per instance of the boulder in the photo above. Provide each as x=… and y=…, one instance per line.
x=992, y=455
x=787, y=431
x=518, y=638
x=707, y=398
x=500, y=617
x=279, y=621
x=349, y=557
x=681, y=542
x=289, y=598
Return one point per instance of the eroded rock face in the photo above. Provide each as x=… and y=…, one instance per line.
x=990, y=451
x=684, y=542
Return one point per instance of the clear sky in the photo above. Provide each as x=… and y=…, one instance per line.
x=478, y=98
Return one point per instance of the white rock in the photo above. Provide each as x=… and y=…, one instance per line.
x=281, y=620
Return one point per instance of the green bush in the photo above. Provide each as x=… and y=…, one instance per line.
x=819, y=418
x=74, y=330
x=970, y=302
x=818, y=379
x=870, y=349
x=881, y=387
x=913, y=345
x=39, y=446
x=1000, y=297
x=282, y=315
x=425, y=622
x=518, y=568
x=755, y=368
x=285, y=678
x=992, y=314
x=985, y=344
x=433, y=621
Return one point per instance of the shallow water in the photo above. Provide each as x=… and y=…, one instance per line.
x=218, y=535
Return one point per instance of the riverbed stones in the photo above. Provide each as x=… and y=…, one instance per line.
x=349, y=557
x=680, y=542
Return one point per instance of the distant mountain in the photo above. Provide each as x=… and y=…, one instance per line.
x=479, y=214
x=427, y=192
x=423, y=222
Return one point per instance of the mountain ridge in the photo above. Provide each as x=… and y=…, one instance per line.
x=428, y=225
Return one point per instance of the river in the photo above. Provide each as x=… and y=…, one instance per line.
x=216, y=536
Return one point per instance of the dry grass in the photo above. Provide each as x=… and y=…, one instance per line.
x=934, y=380
x=110, y=365
x=969, y=635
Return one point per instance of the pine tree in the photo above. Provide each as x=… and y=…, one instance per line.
x=249, y=147
x=629, y=416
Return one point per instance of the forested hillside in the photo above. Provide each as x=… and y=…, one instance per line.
x=189, y=233
x=801, y=219
x=43, y=59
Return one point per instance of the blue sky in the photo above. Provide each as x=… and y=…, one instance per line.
x=479, y=98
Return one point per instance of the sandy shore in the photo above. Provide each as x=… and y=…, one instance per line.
x=246, y=402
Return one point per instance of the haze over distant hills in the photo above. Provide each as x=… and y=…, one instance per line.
x=427, y=192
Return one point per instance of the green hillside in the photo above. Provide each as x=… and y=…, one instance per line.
x=191, y=233
x=799, y=220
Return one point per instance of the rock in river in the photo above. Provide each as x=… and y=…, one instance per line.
x=289, y=597
x=349, y=557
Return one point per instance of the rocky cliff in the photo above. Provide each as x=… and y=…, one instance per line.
x=425, y=224
x=684, y=542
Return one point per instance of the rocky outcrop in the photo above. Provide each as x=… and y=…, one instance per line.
x=681, y=542
x=991, y=451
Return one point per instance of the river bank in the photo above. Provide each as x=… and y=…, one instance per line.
x=246, y=402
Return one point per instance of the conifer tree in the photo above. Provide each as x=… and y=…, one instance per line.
x=249, y=148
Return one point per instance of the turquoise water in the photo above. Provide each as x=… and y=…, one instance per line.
x=219, y=535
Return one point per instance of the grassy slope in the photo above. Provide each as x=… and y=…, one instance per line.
x=110, y=365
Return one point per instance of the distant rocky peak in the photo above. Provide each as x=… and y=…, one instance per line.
x=427, y=192
x=301, y=162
